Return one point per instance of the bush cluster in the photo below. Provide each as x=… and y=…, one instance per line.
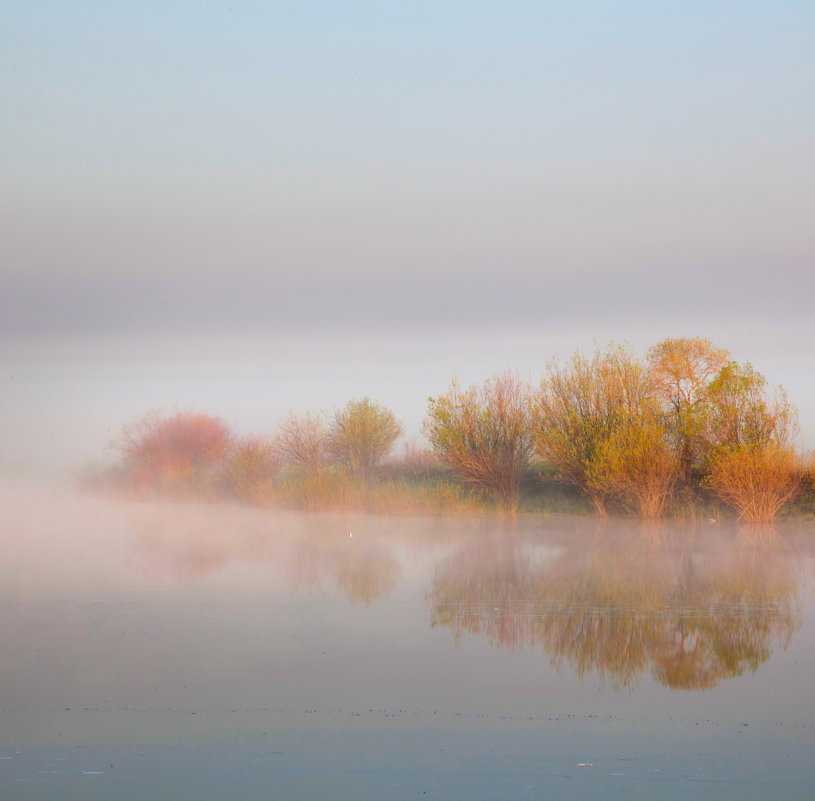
x=643, y=436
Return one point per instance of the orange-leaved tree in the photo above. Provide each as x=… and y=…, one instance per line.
x=752, y=463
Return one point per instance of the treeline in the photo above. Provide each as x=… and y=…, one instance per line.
x=645, y=436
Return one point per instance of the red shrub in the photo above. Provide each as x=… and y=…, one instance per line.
x=176, y=453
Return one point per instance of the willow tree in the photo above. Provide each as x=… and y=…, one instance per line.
x=752, y=462
x=483, y=434
x=580, y=408
x=636, y=464
x=680, y=372
x=361, y=435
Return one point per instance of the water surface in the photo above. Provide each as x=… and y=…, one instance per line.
x=182, y=651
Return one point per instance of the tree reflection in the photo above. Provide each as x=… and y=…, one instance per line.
x=735, y=610
x=185, y=543
x=361, y=569
x=484, y=589
x=617, y=606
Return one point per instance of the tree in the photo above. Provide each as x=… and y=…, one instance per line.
x=743, y=410
x=483, y=434
x=361, y=435
x=303, y=442
x=179, y=452
x=679, y=374
x=636, y=465
x=752, y=464
x=580, y=406
x=250, y=467
x=755, y=480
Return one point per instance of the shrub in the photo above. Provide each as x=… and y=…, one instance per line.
x=483, y=434
x=637, y=466
x=178, y=454
x=579, y=407
x=363, y=432
x=250, y=468
x=756, y=480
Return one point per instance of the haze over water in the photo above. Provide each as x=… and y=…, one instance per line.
x=185, y=651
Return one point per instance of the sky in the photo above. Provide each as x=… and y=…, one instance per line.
x=253, y=208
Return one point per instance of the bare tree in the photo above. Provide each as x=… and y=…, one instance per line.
x=483, y=434
x=303, y=441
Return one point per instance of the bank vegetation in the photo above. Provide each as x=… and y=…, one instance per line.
x=686, y=431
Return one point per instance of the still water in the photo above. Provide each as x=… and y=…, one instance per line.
x=174, y=651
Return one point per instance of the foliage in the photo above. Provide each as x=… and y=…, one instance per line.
x=178, y=453
x=362, y=433
x=680, y=372
x=636, y=466
x=580, y=407
x=756, y=480
x=250, y=468
x=742, y=411
x=752, y=465
x=608, y=429
x=483, y=434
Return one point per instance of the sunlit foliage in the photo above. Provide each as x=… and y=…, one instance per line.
x=362, y=433
x=636, y=465
x=483, y=434
x=680, y=372
x=752, y=465
x=587, y=423
x=744, y=410
x=672, y=433
x=756, y=480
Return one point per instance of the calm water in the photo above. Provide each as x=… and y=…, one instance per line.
x=159, y=651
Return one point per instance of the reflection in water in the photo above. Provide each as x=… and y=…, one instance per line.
x=362, y=570
x=618, y=605
x=180, y=542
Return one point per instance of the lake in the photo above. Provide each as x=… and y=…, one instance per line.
x=192, y=651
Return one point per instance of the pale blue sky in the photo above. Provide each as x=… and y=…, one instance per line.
x=201, y=172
